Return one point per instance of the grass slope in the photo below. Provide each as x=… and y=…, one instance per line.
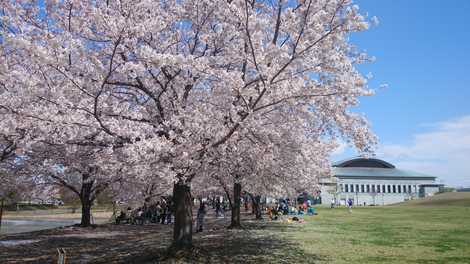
x=443, y=199
x=401, y=234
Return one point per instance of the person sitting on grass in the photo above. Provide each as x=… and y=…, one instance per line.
x=311, y=211
x=274, y=213
x=301, y=210
x=121, y=217
x=293, y=210
x=285, y=209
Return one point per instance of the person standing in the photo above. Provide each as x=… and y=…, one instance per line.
x=169, y=212
x=201, y=212
x=217, y=207
x=333, y=203
x=158, y=212
x=350, y=205
x=164, y=213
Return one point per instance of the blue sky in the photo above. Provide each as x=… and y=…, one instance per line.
x=422, y=51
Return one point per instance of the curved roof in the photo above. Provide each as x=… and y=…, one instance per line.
x=363, y=163
x=363, y=167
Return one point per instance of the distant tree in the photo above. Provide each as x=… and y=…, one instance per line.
x=445, y=189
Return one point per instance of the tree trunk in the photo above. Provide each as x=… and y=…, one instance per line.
x=86, y=213
x=87, y=201
x=235, y=220
x=183, y=227
x=227, y=193
x=1, y=213
x=257, y=206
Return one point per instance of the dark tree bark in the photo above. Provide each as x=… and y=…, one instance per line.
x=183, y=227
x=87, y=201
x=86, y=214
x=1, y=212
x=257, y=206
x=235, y=219
x=227, y=192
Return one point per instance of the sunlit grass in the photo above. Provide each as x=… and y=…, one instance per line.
x=386, y=234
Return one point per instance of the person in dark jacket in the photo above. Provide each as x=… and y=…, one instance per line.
x=201, y=212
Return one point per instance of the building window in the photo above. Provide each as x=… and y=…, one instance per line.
x=368, y=187
x=394, y=188
x=373, y=188
x=399, y=188
x=409, y=188
x=341, y=187
x=352, y=187
x=346, y=188
x=357, y=187
x=362, y=187
x=383, y=188
x=389, y=189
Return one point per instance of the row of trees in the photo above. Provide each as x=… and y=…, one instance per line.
x=239, y=95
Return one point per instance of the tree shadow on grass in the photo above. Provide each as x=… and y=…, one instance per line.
x=105, y=244
x=256, y=242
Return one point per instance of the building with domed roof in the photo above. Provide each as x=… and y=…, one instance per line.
x=371, y=181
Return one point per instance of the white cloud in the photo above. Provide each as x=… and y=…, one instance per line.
x=340, y=149
x=444, y=151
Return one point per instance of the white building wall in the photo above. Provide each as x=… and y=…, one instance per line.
x=363, y=195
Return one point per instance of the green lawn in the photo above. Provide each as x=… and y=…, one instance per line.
x=398, y=234
x=434, y=230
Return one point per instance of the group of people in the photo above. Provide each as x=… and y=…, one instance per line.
x=283, y=208
x=349, y=203
x=220, y=207
x=160, y=212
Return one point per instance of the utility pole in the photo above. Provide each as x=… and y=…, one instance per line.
x=357, y=198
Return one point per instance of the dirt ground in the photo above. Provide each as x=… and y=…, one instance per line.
x=148, y=243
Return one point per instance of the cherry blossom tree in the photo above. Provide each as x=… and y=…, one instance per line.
x=76, y=168
x=177, y=80
x=270, y=165
x=141, y=185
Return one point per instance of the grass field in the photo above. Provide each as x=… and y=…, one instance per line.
x=433, y=230
x=409, y=233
